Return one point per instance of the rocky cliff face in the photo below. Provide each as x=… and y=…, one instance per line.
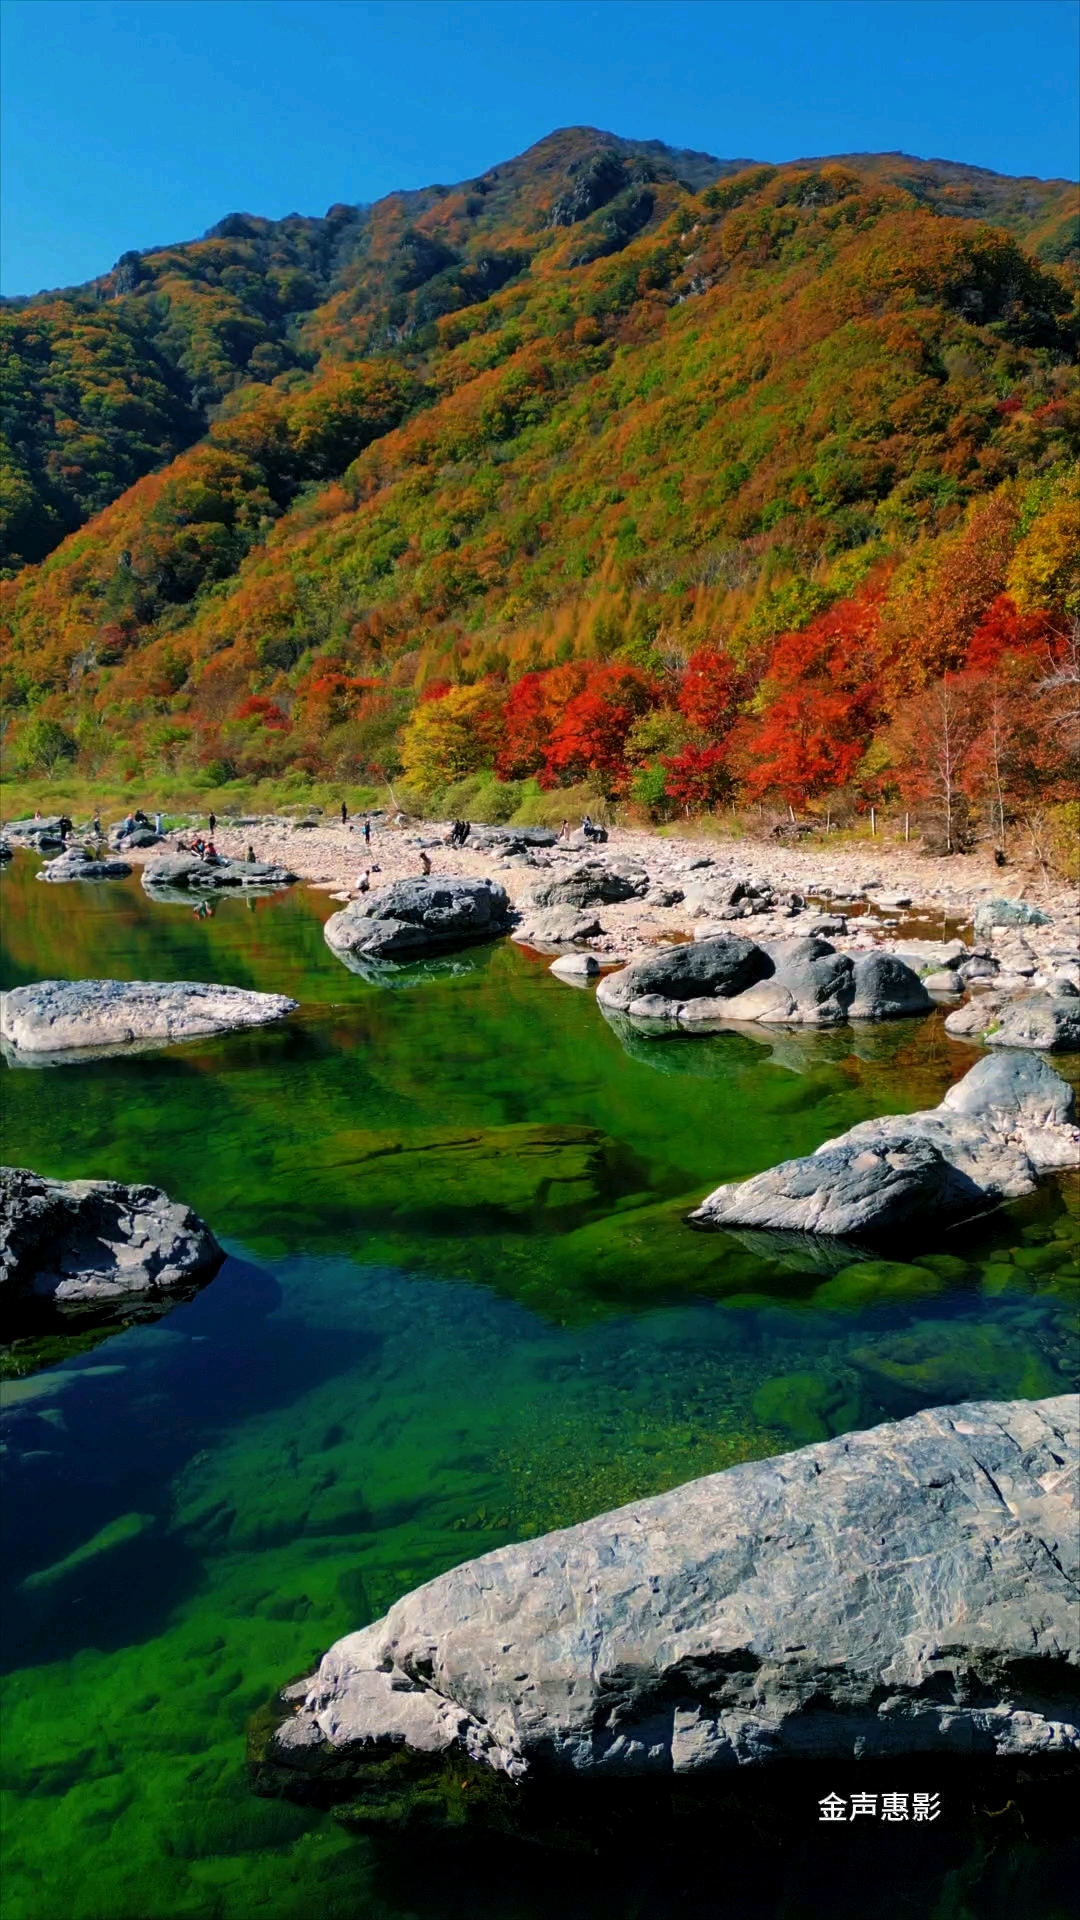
x=908, y=1589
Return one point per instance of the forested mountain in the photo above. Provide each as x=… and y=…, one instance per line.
x=608, y=464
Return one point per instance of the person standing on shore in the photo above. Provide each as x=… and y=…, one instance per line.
x=367, y=833
x=212, y=818
x=425, y=864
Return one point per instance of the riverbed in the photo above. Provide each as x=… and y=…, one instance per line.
x=461, y=1305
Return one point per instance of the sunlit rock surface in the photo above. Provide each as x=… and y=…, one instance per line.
x=912, y=1588
x=1006, y=1122
x=59, y=1017
x=83, y=1241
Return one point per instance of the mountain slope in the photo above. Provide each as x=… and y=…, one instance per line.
x=798, y=385
x=105, y=382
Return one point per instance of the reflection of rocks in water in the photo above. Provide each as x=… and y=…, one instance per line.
x=390, y=974
x=666, y=1051
x=939, y=1361
x=800, y=1252
x=163, y=895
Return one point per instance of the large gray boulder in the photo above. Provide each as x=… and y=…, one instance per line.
x=595, y=883
x=74, y=1242
x=907, y=1590
x=188, y=871
x=78, y=864
x=1047, y=1022
x=1005, y=1123
x=56, y=1018
x=693, y=970
x=886, y=988
x=415, y=917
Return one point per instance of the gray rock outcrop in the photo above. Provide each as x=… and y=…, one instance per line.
x=1008, y=913
x=188, y=871
x=57, y=1018
x=39, y=835
x=697, y=969
x=1009, y=1120
x=415, y=917
x=595, y=883
x=75, y=1242
x=911, y=1589
x=1048, y=1022
x=557, y=927
x=701, y=986
x=78, y=864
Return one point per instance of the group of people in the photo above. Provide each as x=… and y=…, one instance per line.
x=458, y=834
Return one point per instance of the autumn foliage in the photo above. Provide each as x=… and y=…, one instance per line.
x=748, y=491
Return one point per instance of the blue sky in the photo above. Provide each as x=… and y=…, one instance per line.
x=133, y=123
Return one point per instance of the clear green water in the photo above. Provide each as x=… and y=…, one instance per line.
x=461, y=1306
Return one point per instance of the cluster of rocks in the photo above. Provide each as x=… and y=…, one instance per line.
x=911, y=1589
x=41, y=834
x=1009, y=1120
x=192, y=873
x=58, y=1019
x=704, y=985
x=415, y=917
x=80, y=863
x=74, y=1243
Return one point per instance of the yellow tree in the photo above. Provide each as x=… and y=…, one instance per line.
x=449, y=738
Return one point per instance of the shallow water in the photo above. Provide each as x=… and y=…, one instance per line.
x=461, y=1306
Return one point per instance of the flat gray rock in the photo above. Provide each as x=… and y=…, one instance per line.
x=557, y=927
x=908, y=1590
x=995, y=1132
x=415, y=917
x=187, y=870
x=80, y=1241
x=55, y=1018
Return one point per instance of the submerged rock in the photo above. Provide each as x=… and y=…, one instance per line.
x=73, y=1242
x=1006, y=1122
x=414, y=917
x=187, y=870
x=78, y=864
x=911, y=1589
x=59, y=1017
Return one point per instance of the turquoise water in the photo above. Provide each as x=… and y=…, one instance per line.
x=461, y=1305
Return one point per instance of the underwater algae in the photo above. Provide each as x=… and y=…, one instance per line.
x=461, y=1306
